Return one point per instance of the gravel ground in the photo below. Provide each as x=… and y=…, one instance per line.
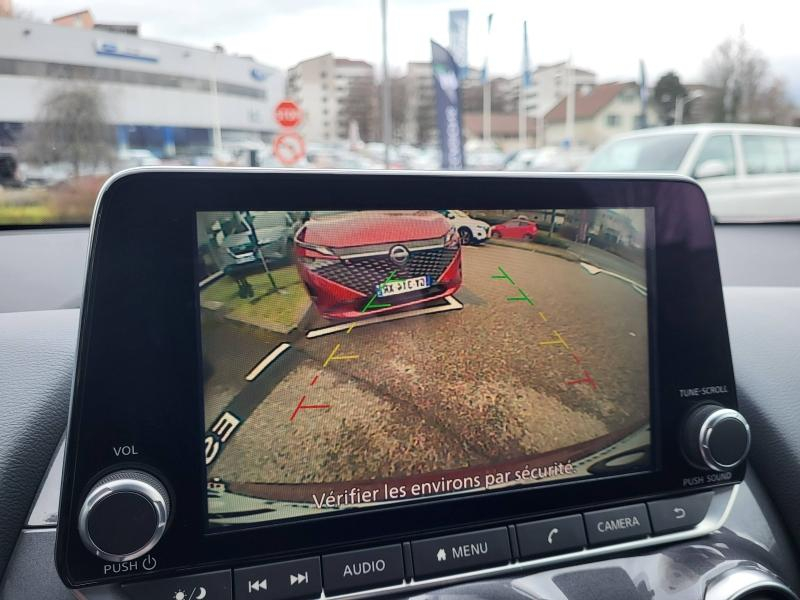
x=457, y=389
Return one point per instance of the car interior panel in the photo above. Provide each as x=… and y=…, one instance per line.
x=325, y=391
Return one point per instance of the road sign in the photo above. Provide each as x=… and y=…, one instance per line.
x=288, y=148
x=288, y=114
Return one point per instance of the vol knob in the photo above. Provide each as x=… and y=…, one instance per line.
x=124, y=515
x=716, y=438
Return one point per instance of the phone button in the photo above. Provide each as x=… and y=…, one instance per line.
x=551, y=536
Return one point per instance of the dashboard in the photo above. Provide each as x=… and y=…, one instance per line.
x=739, y=538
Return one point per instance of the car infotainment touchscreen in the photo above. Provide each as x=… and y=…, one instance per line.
x=353, y=359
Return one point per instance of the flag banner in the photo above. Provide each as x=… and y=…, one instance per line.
x=448, y=106
x=527, y=81
x=644, y=95
x=459, y=21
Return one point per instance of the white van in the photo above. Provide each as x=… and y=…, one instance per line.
x=749, y=172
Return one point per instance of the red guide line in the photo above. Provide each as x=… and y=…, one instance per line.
x=297, y=408
x=586, y=379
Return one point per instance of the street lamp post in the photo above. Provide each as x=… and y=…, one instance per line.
x=216, y=130
x=386, y=91
x=681, y=102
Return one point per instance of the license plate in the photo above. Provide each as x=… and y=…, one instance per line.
x=403, y=286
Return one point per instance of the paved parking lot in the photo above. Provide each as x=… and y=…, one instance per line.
x=543, y=355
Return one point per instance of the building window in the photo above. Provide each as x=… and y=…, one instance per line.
x=34, y=68
x=612, y=120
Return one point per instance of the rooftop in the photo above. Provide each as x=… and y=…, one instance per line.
x=503, y=125
x=589, y=104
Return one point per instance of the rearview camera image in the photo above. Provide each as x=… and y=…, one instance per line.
x=353, y=359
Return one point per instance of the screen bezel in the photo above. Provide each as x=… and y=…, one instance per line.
x=112, y=406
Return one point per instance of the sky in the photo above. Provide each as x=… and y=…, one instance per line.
x=607, y=37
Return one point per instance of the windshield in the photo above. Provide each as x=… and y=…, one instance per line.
x=91, y=89
x=644, y=154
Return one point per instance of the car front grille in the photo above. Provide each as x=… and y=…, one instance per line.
x=364, y=274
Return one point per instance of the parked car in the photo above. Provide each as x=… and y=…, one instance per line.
x=8, y=168
x=748, y=172
x=428, y=159
x=274, y=231
x=136, y=157
x=471, y=231
x=549, y=158
x=520, y=228
x=366, y=263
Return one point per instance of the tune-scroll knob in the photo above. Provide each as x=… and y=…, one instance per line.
x=124, y=515
x=715, y=437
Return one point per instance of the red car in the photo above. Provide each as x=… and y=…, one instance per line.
x=364, y=263
x=516, y=229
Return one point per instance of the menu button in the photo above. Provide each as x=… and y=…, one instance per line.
x=462, y=552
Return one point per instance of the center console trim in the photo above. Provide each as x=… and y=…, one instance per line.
x=718, y=511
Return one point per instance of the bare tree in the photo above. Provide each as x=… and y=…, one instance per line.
x=747, y=90
x=72, y=127
x=665, y=96
x=427, y=130
x=397, y=91
x=360, y=105
x=398, y=94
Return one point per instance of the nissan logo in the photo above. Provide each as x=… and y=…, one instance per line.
x=399, y=254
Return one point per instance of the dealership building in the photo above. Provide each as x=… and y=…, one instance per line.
x=171, y=99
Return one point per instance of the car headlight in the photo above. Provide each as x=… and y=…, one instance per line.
x=452, y=239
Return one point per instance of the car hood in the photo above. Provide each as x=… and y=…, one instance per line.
x=375, y=227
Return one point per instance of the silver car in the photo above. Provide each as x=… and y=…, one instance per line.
x=748, y=172
x=274, y=231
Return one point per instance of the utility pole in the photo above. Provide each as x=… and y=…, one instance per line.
x=487, y=110
x=523, y=119
x=216, y=124
x=570, y=116
x=387, y=92
x=539, y=127
x=524, y=82
x=487, y=87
